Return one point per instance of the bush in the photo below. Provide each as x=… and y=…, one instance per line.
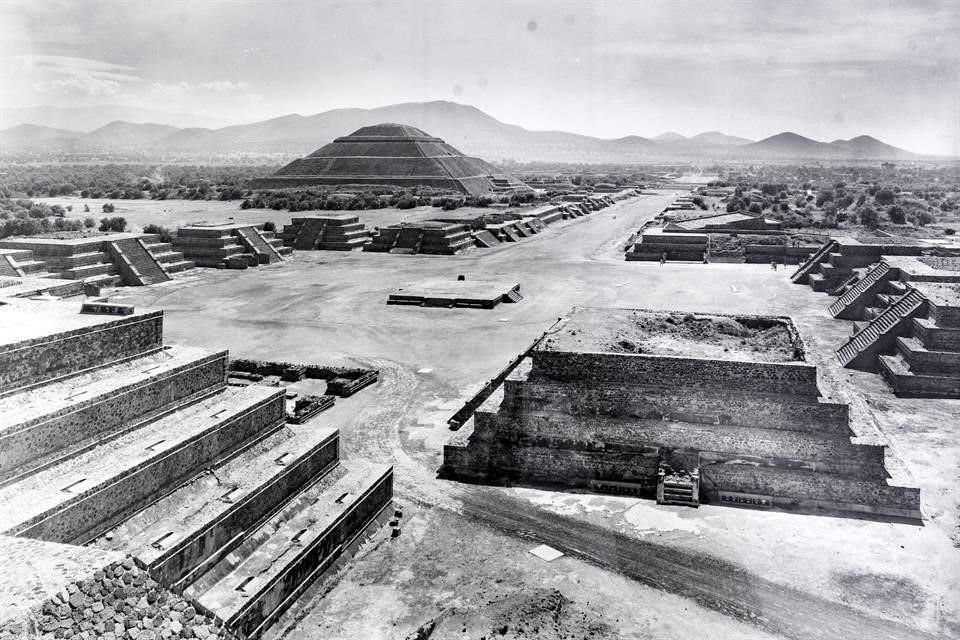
x=113, y=224
x=269, y=226
x=897, y=215
x=166, y=235
x=406, y=202
x=89, y=223
x=108, y=207
x=950, y=231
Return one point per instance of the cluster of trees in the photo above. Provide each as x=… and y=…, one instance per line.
x=129, y=181
x=21, y=217
x=116, y=223
x=319, y=199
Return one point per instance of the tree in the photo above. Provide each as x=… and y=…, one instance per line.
x=108, y=207
x=897, y=215
x=884, y=197
x=868, y=217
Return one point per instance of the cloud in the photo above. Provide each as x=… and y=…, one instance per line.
x=176, y=89
x=73, y=76
x=224, y=86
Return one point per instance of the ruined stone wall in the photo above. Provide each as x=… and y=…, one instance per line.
x=103, y=507
x=688, y=373
x=118, y=601
x=945, y=316
x=49, y=357
x=76, y=422
x=679, y=402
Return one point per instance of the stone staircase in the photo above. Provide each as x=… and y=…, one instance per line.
x=163, y=252
x=135, y=447
x=331, y=232
x=678, y=488
x=429, y=237
x=254, y=241
x=863, y=348
x=136, y=263
x=803, y=272
x=850, y=304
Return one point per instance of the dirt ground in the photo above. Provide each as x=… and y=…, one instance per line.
x=632, y=569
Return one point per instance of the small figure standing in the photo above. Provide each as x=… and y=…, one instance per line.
x=773, y=265
x=663, y=258
x=706, y=258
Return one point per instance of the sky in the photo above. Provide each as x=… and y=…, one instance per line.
x=751, y=68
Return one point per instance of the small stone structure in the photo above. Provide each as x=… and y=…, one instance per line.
x=622, y=400
x=834, y=264
x=484, y=294
x=907, y=324
x=114, y=445
x=131, y=259
x=229, y=245
x=430, y=237
x=655, y=243
x=330, y=231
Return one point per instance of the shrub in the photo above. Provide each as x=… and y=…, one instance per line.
x=269, y=226
x=108, y=207
x=950, y=231
x=406, y=202
x=166, y=235
x=897, y=215
x=113, y=224
x=89, y=223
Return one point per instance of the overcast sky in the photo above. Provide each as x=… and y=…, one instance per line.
x=751, y=68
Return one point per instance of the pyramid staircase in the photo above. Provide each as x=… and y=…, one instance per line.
x=135, y=447
x=233, y=246
x=879, y=334
x=253, y=240
x=136, y=263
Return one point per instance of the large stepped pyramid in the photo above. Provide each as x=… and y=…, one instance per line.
x=110, y=439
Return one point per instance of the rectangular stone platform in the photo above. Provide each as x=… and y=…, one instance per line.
x=485, y=294
x=612, y=397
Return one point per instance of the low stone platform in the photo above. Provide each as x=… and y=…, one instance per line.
x=484, y=294
x=329, y=231
x=619, y=399
x=17, y=287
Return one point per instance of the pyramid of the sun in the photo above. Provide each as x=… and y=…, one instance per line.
x=387, y=154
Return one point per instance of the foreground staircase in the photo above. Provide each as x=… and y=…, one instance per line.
x=850, y=304
x=803, y=272
x=145, y=450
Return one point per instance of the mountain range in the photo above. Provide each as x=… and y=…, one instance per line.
x=465, y=127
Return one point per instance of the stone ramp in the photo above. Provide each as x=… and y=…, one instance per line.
x=83, y=496
x=850, y=304
x=803, y=272
x=253, y=585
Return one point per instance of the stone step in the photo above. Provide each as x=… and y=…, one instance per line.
x=79, y=498
x=105, y=280
x=928, y=361
x=896, y=287
x=905, y=383
x=91, y=270
x=180, y=265
x=164, y=257
x=29, y=267
x=253, y=585
x=185, y=533
x=45, y=424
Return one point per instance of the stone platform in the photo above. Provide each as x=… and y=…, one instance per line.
x=618, y=399
x=114, y=446
x=229, y=245
x=485, y=294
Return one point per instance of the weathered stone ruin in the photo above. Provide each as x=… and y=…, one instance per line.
x=655, y=244
x=229, y=245
x=430, y=237
x=691, y=407
x=116, y=446
x=132, y=259
x=329, y=231
x=835, y=264
x=392, y=154
x=907, y=324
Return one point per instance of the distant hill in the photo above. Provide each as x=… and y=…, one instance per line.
x=31, y=136
x=119, y=135
x=463, y=126
x=669, y=136
x=718, y=139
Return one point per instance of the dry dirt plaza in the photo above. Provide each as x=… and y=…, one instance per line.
x=632, y=569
